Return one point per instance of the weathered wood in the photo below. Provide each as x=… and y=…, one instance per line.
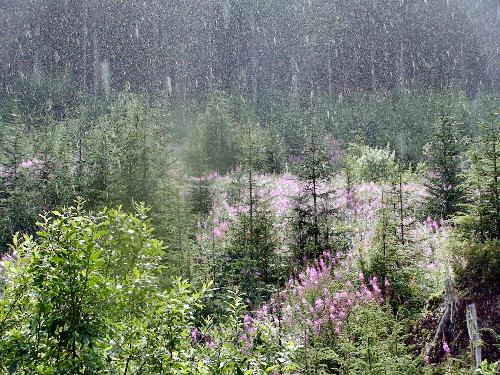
x=473, y=329
x=451, y=300
x=451, y=297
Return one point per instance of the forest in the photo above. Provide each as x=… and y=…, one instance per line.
x=250, y=187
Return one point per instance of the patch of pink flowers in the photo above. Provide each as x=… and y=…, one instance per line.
x=446, y=348
x=322, y=297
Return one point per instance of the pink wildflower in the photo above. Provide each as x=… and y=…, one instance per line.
x=247, y=320
x=318, y=305
x=317, y=326
x=446, y=348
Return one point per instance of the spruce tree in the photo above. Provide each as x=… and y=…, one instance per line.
x=54, y=154
x=444, y=168
x=16, y=210
x=250, y=258
x=311, y=218
x=218, y=134
x=383, y=256
x=401, y=210
x=392, y=257
x=481, y=216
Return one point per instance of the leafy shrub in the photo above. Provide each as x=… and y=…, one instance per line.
x=81, y=297
x=478, y=269
x=371, y=164
x=372, y=343
x=85, y=296
x=488, y=368
x=240, y=344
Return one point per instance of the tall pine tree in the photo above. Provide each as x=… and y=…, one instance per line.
x=444, y=168
x=481, y=215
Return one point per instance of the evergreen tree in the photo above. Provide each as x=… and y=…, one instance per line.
x=218, y=134
x=17, y=206
x=392, y=259
x=175, y=224
x=313, y=170
x=250, y=259
x=405, y=219
x=201, y=195
x=482, y=186
x=444, y=168
x=54, y=152
x=275, y=155
x=127, y=154
x=383, y=257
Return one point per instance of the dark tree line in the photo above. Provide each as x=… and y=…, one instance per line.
x=184, y=49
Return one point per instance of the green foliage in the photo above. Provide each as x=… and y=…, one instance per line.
x=17, y=187
x=215, y=141
x=477, y=267
x=127, y=153
x=90, y=293
x=481, y=212
x=34, y=90
x=115, y=155
x=84, y=296
x=251, y=259
x=371, y=164
x=306, y=88
x=241, y=345
x=392, y=259
x=175, y=223
x=372, y=343
x=443, y=154
x=487, y=368
x=274, y=150
x=250, y=254
x=36, y=169
x=313, y=166
x=75, y=289
x=227, y=134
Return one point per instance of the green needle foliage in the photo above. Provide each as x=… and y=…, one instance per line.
x=444, y=164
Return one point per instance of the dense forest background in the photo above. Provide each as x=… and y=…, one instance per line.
x=181, y=50
x=249, y=187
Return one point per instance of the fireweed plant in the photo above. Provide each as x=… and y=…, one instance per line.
x=88, y=293
x=326, y=305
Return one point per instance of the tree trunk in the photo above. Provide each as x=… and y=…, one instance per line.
x=473, y=330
